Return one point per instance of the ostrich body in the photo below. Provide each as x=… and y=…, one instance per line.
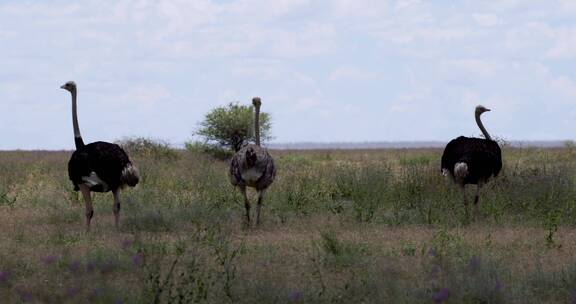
x=98, y=166
x=252, y=166
x=472, y=160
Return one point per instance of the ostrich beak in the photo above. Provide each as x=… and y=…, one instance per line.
x=63, y=86
x=488, y=110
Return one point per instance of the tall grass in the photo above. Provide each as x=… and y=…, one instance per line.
x=339, y=227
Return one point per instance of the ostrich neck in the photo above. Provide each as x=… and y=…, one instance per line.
x=77, y=137
x=481, y=126
x=257, y=124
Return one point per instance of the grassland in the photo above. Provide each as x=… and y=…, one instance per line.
x=373, y=226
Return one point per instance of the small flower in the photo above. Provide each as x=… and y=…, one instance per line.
x=295, y=296
x=498, y=288
x=4, y=276
x=573, y=296
x=72, y=291
x=25, y=296
x=90, y=266
x=48, y=259
x=95, y=293
x=137, y=259
x=435, y=270
x=74, y=266
x=127, y=243
x=432, y=252
x=474, y=263
x=441, y=296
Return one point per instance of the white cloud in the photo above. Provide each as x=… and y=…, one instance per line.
x=351, y=73
x=405, y=4
x=307, y=103
x=487, y=20
x=564, y=44
x=564, y=85
x=147, y=96
x=399, y=59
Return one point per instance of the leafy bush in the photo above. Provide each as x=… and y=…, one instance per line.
x=232, y=126
x=149, y=148
x=213, y=150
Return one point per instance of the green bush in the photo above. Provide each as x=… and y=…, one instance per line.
x=215, y=151
x=232, y=126
x=148, y=148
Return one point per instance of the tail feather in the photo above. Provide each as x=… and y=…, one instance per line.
x=460, y=170
x=130, y=175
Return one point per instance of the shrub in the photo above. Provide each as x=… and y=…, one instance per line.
x=147, y=147
x=213, y=150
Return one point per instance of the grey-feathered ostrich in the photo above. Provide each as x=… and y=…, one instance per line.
x=252, y=166
x=472, y=160
x=98, y=167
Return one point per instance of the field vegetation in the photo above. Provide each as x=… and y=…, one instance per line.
x=361, y=226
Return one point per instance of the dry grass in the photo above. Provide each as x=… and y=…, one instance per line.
x=339, y=227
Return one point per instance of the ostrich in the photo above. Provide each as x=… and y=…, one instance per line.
x=472, y=160
x=98, y=166
x=252, y=166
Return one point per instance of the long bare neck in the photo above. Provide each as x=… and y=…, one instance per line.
x=77, y=137
x=257, y=124
x=481, y=126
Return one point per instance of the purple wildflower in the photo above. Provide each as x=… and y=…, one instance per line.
x=48, y=259
x=434, y=271
x=90, y=266
x=74, y=266
x=127, y=243
x=25, y=296
x=118, y=301
x=137, y=259
x=573, y=296
x=4, y=276
x=432, y=252
x=498, y=287
x=295, y=296
x=72, y=291
x=474, y=263
x=441, y=296
x=95, y=293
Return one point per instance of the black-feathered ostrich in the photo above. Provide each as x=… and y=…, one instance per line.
x=252, y=166
x=98, y=167
x=472, y=160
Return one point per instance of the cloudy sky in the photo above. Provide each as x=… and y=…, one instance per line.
x=327, y=70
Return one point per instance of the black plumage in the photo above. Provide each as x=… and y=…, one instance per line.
x=98, y=167
x=106, y=160
x=472, y=160
x=482, y=157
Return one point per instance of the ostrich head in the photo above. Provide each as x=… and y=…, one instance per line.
x=481, y=109
x=69, y=86
x=256, y=102
x=251, y=157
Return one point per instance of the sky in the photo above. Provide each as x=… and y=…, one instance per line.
x=327, y=71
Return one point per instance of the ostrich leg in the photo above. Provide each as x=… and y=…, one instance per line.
x=88, y=200
x=246, y=205
x=465, y=199
x=259, y=206
x=477, y=197
x=116, y=207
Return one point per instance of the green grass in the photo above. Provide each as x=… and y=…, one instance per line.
x=365, y=226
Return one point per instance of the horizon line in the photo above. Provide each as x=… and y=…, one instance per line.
x=359, y=145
